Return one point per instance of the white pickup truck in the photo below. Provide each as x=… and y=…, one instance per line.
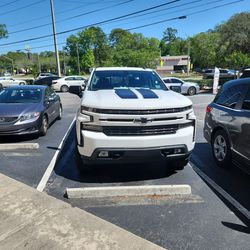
x=128, y=114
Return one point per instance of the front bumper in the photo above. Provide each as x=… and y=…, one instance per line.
x=127, y=155
x=142, y=146
x=22, y=129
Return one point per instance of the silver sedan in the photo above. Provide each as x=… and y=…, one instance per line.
x=190, y=88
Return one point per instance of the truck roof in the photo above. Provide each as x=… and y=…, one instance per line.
x=121, y=68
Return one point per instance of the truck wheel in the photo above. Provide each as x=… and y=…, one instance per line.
x=82, y=166
x=221, y=149
x=178, y=164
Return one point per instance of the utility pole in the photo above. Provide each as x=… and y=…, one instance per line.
x=39, y=64
x=78, y=59
x=55, y=38
x=189, y=61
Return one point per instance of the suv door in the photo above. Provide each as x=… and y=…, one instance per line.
x=242, y=142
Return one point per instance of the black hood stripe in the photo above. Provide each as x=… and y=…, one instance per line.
x=147, y=93
x=126, y=94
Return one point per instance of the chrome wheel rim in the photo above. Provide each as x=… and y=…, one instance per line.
x=220, y=148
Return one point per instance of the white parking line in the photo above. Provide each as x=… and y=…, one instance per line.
x=117, y=191
x=13, y=146
x=222, y=192
x=51, y=165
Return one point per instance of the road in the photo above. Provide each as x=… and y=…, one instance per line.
x=204, y=220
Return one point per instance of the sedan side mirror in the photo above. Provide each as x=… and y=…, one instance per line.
x=176, y=89
x=76, y=90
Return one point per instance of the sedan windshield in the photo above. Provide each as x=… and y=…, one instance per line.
x=113, y=79
x=20, y=95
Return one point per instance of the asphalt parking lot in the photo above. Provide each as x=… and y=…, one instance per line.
x=211, y=218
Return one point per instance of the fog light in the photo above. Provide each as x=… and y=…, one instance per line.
x=178, y=150
x=103, y=154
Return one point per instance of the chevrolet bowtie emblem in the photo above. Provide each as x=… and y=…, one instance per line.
x=143, y=120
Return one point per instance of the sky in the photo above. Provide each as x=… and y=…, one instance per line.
x=18, y=15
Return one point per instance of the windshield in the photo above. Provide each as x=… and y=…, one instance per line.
x=20, y=95
x=113, y=79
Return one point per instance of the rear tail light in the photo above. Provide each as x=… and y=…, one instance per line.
x=209, y=109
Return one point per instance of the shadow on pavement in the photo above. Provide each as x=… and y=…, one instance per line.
x=232, y=179
x=67, y=167
x=236, y=227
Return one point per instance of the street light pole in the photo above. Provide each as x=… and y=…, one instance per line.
x=55, y=38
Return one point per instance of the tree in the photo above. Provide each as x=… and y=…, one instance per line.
x=133, y=49
x=205, y=48
x=3, y=31
x=235, y=33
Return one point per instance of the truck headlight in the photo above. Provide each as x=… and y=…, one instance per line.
x=84, y=118
x=92, y=128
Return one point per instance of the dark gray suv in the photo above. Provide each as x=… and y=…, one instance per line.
x=227, y=124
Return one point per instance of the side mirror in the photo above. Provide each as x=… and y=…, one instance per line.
x=76, y=90
x=176, y=89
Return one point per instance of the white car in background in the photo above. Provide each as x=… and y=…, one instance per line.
x=9, y=81
x=63, y=84
x=190, y=88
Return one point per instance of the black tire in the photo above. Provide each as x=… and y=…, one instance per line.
x=82, y=166
x=21, y=83
x=192, y=91
x=44, y=127
x=178, y=164
x=64, y=88
x=1, y=85
x=221, y=149
x=59, y=117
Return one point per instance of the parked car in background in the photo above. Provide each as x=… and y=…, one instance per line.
x=8, y=81
x=64, y=83
x=227, y=124
x=190, y=88
x=45, y=74
x=28, y=109
x=224, y=73
x=46, y=80
x=245, y=73
x=128, y=114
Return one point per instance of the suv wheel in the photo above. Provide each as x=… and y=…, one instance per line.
x=191, y=91
x=64, y=88
x=221, y=149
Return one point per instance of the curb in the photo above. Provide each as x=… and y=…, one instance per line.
x=95, y=192
x=11, y=146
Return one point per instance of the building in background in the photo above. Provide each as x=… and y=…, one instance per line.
x=169, y=64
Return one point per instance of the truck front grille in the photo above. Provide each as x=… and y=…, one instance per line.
x=142, y=130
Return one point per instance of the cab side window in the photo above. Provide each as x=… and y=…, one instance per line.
x=246, y=102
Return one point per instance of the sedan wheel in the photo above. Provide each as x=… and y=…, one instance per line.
x=192, y=91
x=59, y=117
x=44, y=127
x=221, y=149
x=64, y=88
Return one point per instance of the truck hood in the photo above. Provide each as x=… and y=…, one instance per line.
x=151, y=99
